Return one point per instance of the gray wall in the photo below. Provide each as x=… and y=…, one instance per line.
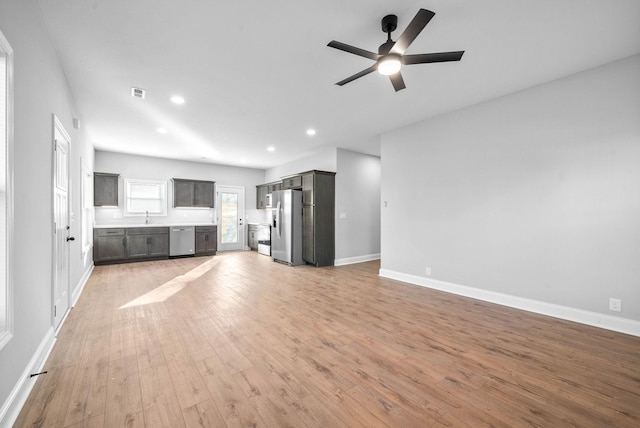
x=535, y=194
x=40, y=91
x=150, y=168
x=357, y=206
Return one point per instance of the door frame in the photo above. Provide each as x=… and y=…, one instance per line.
x=58, y=127
x=241, y=216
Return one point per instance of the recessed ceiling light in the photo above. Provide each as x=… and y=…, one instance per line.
x=177, y=99
x=311, y=132
x=271, y=149
x=162, y=130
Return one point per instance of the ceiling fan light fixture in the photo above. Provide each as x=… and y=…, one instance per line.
x=389, y=64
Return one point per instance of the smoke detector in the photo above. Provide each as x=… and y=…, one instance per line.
x=138, y=93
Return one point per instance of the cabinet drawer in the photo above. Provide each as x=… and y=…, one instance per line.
x=109, y=232
x=147, y=231
x=206, y=229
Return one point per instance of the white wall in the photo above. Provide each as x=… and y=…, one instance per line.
x=40, y=91
x=150, y=168
x=357, y=207
x=324, y=160
x=534, y=195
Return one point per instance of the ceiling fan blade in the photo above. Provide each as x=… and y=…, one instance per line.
x=354, y=50
x=432, y=57
x=414, y=28
x=397, y=81
x=357, y=75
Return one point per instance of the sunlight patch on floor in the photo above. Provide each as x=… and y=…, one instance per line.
x=170, y=288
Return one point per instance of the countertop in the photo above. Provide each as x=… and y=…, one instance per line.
x=105, y=226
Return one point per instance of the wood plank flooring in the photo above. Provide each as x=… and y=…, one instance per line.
x=236, y=340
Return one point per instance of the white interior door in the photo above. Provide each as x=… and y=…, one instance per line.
x=230, y=214
x=62, y=239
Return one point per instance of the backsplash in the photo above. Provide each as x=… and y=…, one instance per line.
x=114, y=215
x=258, y=216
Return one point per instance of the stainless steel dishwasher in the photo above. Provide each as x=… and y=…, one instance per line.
x=182, y=241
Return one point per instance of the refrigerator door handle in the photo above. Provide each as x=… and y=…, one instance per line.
x=278, y=223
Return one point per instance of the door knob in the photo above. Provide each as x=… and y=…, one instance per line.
x=70, y=238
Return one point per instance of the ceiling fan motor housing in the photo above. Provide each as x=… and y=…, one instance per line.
x=389, y=23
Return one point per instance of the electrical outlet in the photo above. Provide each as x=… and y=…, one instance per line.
x=343, y=215
x=615, y=304
x=428, y=271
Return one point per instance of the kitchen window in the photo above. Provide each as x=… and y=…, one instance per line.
x=6, y=189
x=145, y=197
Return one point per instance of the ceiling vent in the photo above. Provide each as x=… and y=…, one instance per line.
x=138, y=93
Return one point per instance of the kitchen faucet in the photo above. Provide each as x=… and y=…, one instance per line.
x=146, y=221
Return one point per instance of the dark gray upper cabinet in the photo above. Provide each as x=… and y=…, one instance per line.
x=265, y=189
x=105, y=189
x=293, y=182
x=261, y=196
x=272, y=187
x=193, y=193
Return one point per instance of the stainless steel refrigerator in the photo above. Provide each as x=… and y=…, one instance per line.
x=286, y=227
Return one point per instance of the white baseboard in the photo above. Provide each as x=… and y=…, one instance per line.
x=21, y=390
x=12, y=406
x=609, y=322
x=358, y=259
x=83, y=281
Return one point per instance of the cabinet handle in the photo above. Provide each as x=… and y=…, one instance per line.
x=70, y=238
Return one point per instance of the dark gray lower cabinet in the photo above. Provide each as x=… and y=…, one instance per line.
x=147, y=242
x=120, y=245
x=137, y=246
x=133, y=244
x=206, y=240
x=108, y=245
x=252, y=239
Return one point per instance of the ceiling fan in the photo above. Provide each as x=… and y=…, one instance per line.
x=390, y=56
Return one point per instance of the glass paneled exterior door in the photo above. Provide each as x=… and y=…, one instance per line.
x=230, y=205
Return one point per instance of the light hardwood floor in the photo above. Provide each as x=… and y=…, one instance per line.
x=236, y=340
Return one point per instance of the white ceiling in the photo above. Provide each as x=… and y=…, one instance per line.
x=258, y=73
